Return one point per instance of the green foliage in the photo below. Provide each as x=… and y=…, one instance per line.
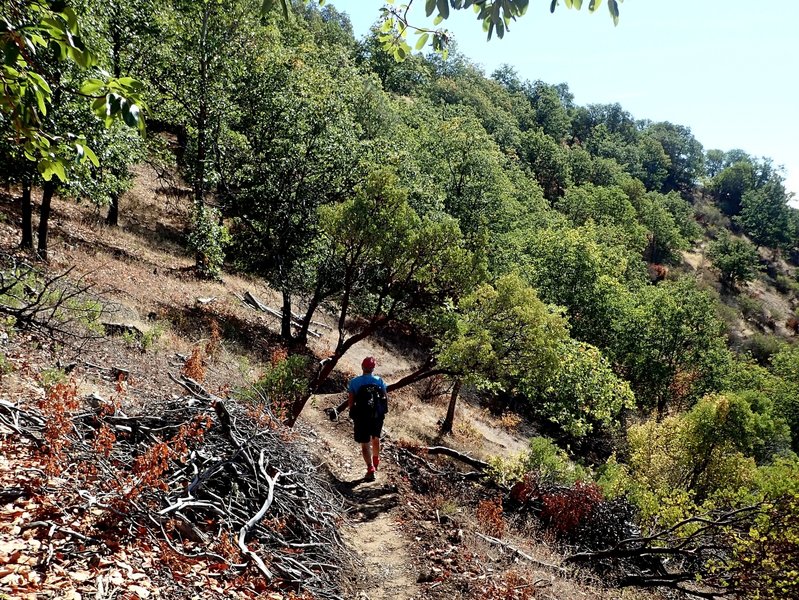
x=50, y=377
x=765, y=215
x=208, y=240
x=673, y=349
x=765, y=561
x=281, y=385
x=494, y=15
x=668, y=223
x=603, y=206
x=551, y=464
x=5, y=366
x=751, y=308
x=547, y=161
x=786, y=284
x=729, y=186
x=685, y=155
x=503, y=337
x=34, y=35
x=785, y=366
x=574, y=269
x=543, y=460
x=763, y=347
x=735, y=258
x=584, y=392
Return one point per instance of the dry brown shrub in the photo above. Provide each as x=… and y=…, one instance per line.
x=104, y=442
x=510, y=421
x=489, y=515
x=60, y=401
x=194, y=367
x=214, y=344
x=511, y=585
x=467, y=433
x=278, y=355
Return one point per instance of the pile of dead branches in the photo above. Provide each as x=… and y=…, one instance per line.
x=214, y=480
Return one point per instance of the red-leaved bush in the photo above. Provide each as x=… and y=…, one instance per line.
x=565, y=509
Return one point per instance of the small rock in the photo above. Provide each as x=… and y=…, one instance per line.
x=426, y=576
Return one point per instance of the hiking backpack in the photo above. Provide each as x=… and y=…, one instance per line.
x=370, y=401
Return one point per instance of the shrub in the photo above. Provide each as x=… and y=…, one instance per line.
x=736, y=259
x=762, y=347
x=786, y=285
x=5, y=366
x=551, y=464
x=194, y=367
x=565, y=509
x=750, y=307
x=209, y=239
x=489, y=515
x=284, y=382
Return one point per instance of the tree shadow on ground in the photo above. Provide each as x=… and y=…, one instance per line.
x=366, y=500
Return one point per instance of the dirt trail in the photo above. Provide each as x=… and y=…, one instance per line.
x=374, y=533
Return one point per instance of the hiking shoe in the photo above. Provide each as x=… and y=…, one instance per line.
x=375, y=462
x=370, y=474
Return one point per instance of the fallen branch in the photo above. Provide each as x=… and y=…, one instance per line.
x=251, y=523
x=518, y=552
x=250, y=300
x=465, y=458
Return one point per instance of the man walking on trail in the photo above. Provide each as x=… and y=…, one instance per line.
x=367, y=399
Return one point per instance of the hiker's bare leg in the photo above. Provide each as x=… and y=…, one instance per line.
x=375, y=447
x=366, y=450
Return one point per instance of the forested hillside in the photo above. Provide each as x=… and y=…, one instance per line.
x=629, y=294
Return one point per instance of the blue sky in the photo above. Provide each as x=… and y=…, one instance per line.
x=725, y=68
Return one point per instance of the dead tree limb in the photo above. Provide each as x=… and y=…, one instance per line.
x=465, y=458
x=518, y=552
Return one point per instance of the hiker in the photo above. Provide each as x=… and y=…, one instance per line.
x=368, y=403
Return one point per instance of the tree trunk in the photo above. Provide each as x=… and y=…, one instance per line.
x=44, y=218
x=302, y=336
x=285, y=319
x=446, y=426
x=113, y=212
x=202, y=125
x=27, y=217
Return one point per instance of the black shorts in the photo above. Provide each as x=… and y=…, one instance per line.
x=367, y=428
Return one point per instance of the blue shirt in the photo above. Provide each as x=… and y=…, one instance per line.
x=357, y=382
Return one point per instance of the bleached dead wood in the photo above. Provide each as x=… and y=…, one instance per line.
x=240, y=478
x=516, y=551
x=250, y=300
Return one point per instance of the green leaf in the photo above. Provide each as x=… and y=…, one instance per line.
x=71, y=18
x=438, y=20
x=40, y=82
x=91, y=156
x=443, y=8
x=613, y=7
x=553, y=5
x=91, y=86
x=58, y=169
x=594, y=4
x=40, y=101
x=578, y=4
x=429, y=7
x=568, y=3
x=422, y=41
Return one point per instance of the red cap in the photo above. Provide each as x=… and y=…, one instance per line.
x=369, y=363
